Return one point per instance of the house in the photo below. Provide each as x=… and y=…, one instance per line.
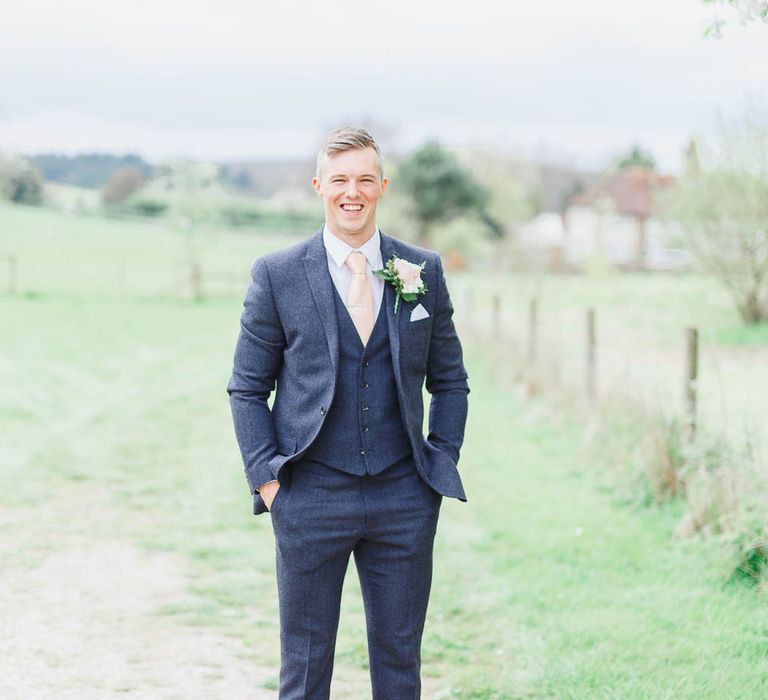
x=617, y=220
x=541, y=242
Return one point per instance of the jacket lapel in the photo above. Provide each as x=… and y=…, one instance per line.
x=393, y=321
x=320, y=283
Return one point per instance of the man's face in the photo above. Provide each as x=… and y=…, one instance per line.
x=351, y=187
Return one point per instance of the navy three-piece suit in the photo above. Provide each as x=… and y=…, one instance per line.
x=344, y=438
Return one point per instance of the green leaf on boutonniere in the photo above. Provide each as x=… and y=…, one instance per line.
x=405, y=277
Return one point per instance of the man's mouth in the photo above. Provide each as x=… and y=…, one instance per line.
x=352, y=207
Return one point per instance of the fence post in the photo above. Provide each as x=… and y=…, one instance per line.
x=691, y=381
x=591, y=382
x=496, y=316
x=533, y=330
x=195, y=281
x=12, y=272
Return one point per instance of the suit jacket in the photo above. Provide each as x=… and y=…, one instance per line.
x=289, y=339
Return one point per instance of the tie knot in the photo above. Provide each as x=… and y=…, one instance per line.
x=356, y=262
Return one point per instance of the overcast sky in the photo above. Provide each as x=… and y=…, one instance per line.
x=566, y=81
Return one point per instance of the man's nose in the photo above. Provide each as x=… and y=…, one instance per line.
x=351, y=189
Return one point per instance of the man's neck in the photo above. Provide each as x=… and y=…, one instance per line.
x=355, y=240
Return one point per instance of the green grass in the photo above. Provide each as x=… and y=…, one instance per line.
x=115, y=424
x=641, y=343
x=91, y=256
x=756, y=335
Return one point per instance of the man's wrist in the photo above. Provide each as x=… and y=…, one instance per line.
x=261, y=486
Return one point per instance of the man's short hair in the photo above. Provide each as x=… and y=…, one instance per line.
x=347, y=138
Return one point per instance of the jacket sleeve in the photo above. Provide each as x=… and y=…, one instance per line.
x=446, y=377
x=257, y=362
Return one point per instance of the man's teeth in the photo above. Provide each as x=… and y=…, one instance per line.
x=351, y=207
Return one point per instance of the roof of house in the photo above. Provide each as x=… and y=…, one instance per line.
x=631, y=190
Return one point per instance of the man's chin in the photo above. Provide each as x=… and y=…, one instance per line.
x=353, y=228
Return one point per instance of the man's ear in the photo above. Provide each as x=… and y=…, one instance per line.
x=384, y=184
x=316, y=185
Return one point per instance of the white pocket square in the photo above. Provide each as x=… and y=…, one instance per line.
x=418, y=313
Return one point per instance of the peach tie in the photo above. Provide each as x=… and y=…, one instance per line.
x=359, y=298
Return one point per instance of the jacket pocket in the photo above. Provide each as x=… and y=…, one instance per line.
x=277, y=499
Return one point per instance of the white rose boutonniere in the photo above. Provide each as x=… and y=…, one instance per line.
x=405, y=277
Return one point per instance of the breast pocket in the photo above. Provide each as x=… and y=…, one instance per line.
x=414, y=344
x=418, y=330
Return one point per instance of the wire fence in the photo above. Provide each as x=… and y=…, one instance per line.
x=601, y=361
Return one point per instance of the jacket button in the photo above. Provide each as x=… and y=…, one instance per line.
x=365, y=408
x=365, y=429
x=322, y=410
x=366, y=363
x=365, y=385
x=362, y=452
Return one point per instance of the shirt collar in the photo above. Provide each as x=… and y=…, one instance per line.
x=338, y=250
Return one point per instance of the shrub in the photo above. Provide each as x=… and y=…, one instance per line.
x=661, y=460
x=146, y=206
x=20, y=180
x=241, y=215
x=751, y=548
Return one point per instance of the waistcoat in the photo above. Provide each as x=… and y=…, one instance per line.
x=363, y=432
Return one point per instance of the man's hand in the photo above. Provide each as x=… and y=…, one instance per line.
x=268, y=492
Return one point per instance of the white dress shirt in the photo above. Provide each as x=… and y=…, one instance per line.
x=337, y=252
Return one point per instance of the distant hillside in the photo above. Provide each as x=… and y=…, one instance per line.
x=264, y=179
x=289, y=180
x=90, y=170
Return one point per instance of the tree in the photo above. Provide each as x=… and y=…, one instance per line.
x=121, y=185
x=190, y=188
x=439, y=189
x=20, y=180
x=748, y=11
x=637, y=157
x=513, y=188
x=722, y=204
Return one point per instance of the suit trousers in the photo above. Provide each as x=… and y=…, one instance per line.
x=320, y=517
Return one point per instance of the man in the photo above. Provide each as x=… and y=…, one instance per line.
x=340, y=460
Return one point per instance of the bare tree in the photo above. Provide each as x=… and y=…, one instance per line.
x=122, y=183
x=722, y=203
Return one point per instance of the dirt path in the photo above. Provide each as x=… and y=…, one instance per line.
x=83, y=624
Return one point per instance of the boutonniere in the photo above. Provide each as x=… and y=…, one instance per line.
x=405, y=277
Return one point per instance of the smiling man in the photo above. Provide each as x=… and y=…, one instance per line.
x=340, y=460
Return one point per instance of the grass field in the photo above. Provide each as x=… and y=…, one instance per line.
x=641, y=321
x=132, y=565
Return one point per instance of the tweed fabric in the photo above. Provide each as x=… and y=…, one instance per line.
x=363, y=432
x=387, y=522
